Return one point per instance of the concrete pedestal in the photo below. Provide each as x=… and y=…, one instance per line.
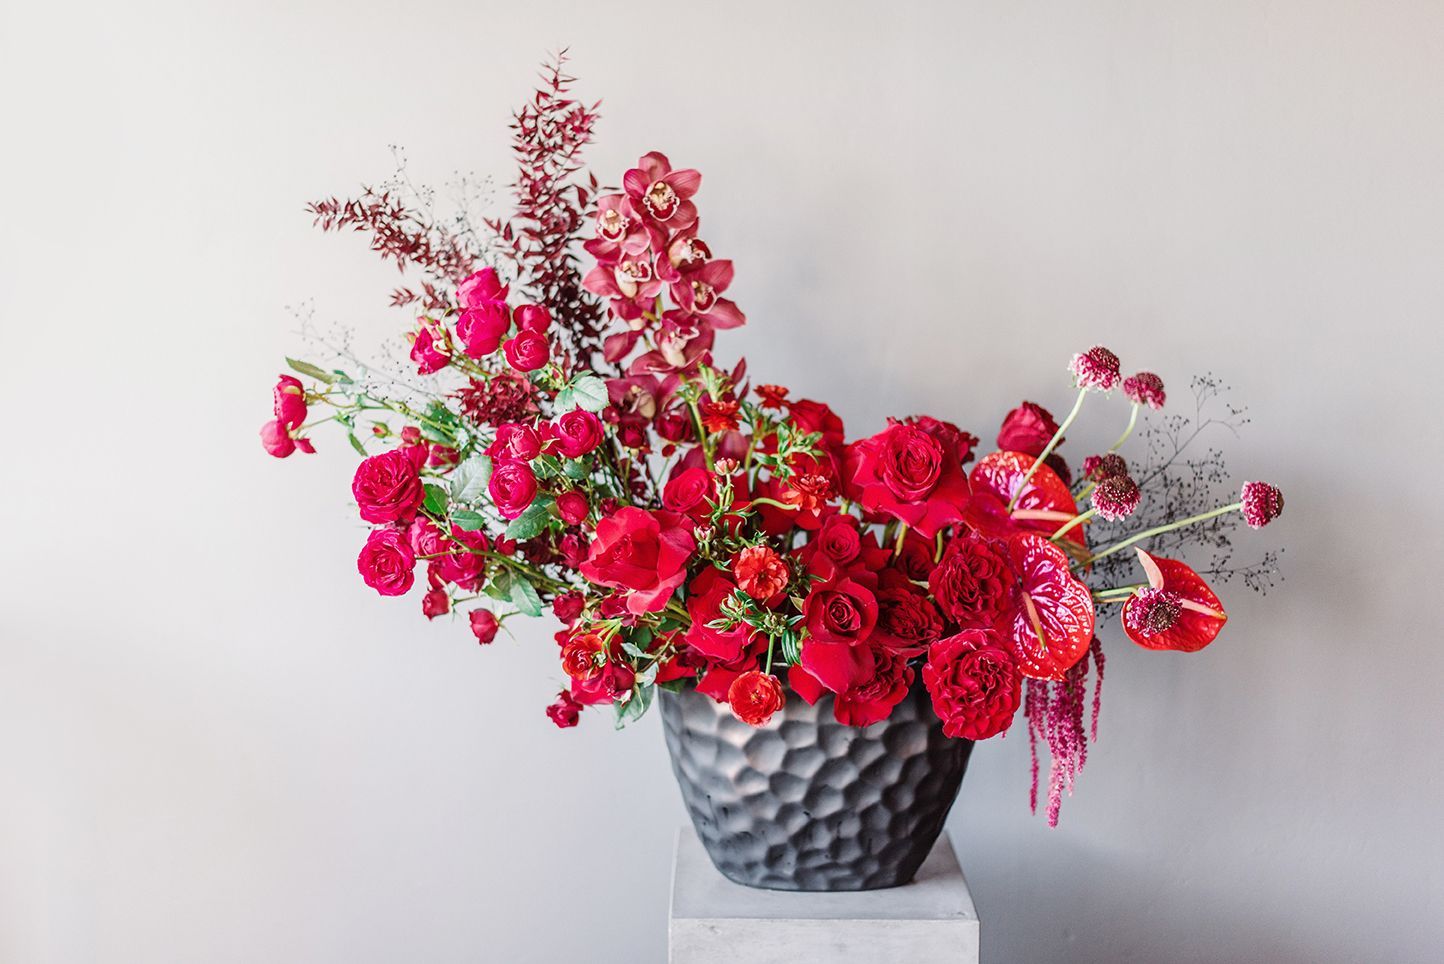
x=930, y=921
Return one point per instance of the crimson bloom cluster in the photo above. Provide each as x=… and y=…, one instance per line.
x=690, y=527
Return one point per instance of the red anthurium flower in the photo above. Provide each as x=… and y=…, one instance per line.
x=1050, y=622
x=1044, y=505
x=1176, y=611
x=664, y=194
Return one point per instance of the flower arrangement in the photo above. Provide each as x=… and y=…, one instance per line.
x=569, y=441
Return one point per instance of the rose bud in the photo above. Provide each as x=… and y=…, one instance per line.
x=572, y=507
x=754, y=696
x=532, y=318
x=276, y=439
x=435, y=603
x=725, y=467
x=565, y=712
x=568, y=606
x=484, y=625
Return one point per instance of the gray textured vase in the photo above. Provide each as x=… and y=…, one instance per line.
x=806, y=803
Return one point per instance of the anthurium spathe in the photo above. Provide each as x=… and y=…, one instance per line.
x=1040, y=500
x=1050, y=622
x=1176, y=611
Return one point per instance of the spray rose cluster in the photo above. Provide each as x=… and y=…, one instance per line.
x=690, y=528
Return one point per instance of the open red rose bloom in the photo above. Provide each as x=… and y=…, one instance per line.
x=567, y=438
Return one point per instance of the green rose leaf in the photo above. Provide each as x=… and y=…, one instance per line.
x=435, y=502
x=589, y=392
x=468, y=480
x=468, y=520
x=310, y=370
x=531, y=522
x=524, y=597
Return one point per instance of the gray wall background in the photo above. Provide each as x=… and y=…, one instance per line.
x=218, y=745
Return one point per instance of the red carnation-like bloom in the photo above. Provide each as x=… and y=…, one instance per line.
x=644, y=553
x=1096, y=368
x=1145, y=388
x=387, y=487
x=1262, y=504
x=719, y=415
x=1116, y=497
x=907, y=621
x=760, y=572
x=754, y=696
x=974, y=582
x=386, y=562
x=582, y=656
x=974, y=684
x=772, y=396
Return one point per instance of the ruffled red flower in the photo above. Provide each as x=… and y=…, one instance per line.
x=873, y=700
x=755, y=696
x=644, y=553
x=760, y=572
x=974, y=684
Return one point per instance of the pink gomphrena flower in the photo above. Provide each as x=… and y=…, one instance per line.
x=1153, y=611
x=1096, y=468
x=1095, y=368
x=1261, y=504
x=1145, y=388
x=1116, y=497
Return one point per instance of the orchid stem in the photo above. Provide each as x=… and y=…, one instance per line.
x=1048, y=449
x=1159, y=530
x=1132, y=420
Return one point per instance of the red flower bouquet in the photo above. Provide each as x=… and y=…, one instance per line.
x=568, y=438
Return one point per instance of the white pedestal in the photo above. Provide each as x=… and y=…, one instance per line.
x=713, y=920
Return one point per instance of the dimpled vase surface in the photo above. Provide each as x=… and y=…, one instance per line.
x=806, y=803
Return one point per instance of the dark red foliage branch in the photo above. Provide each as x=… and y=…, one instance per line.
x=552, y=204
x=406, y=236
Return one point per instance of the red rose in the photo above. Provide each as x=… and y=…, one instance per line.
x=484, y=625
x=916, y=558
x=387, y=487
x=974, y=583
x=518, y=442
x=760, y=572
x=905, y=472
x=974, y=684
x=463, y=563
x=565, y=712
x=573, y=549
x=809, y=416
x=481, y=287
x=532, y=318
x=840, y=615
x=576, y=433
x=568, y=606
x=528, y=351
x=290, y=401
x=754, y=696
x=704, y=605
x=839, y=539
x=583, y=656
x=276, y=439
x=874, y=699
x=688, y=492
x=435, y=603
x=643, y=552
x=958, y=444
x=572, y=507
x=482, y=328
x=1027, y=429
x=386, y=562
x=512, y=487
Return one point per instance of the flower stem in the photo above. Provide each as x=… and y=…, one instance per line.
x=1132, y=420
x=771, y=642
x=1048, y=449
x=1159, y=530
x=1076, y=520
